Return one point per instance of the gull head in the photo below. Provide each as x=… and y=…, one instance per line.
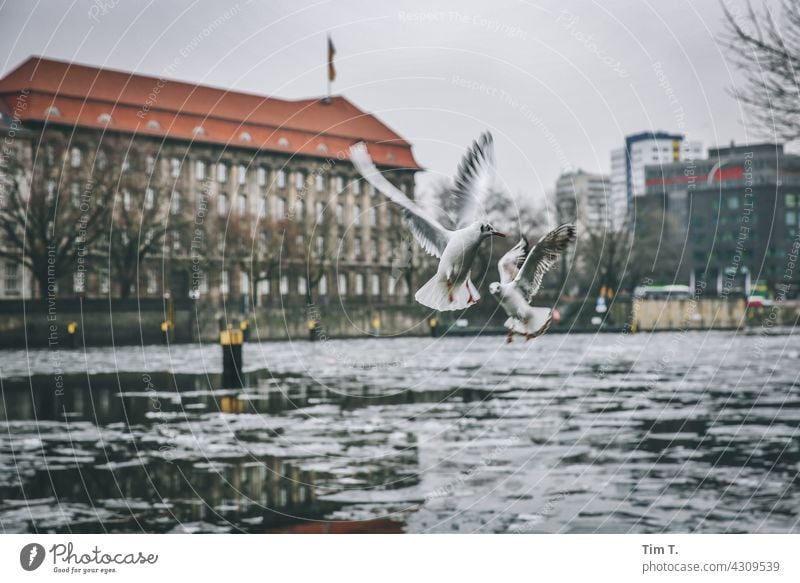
x=488, y=230
x=494, y=288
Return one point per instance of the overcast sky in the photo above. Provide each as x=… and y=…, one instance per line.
x=558, y=83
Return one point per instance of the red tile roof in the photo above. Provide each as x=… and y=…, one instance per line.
x=308, y=127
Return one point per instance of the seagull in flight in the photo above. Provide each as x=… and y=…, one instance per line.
x=521, y=272
x=451, y=288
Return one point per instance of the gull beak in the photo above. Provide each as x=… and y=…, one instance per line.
x=498, y=234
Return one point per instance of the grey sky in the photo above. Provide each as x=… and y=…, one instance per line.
x=558, y=83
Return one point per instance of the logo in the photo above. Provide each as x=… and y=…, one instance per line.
x=31, y=556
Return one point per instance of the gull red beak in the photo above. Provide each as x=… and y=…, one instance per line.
x=499, y=234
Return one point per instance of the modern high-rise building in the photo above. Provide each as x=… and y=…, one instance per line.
x=736, y=215
x=583, y=198
x=628, y=166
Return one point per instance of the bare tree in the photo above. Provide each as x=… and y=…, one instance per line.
x=140, y=219
x=54, y=203
x=765, y=46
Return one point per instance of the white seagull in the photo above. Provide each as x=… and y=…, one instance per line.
x=521, y=274
x=455, y=249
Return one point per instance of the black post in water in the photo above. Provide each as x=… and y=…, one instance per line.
x=231, y=341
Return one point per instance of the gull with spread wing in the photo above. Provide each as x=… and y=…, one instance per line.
x=451, y=288
x=521, y=273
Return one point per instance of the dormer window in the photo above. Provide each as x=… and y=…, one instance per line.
x=199, y=131
x=246, y=137
x=153, y=125
x=52, y=111
x=283, y=142
x=104, y=118
x=390, y=156
x=322, y=148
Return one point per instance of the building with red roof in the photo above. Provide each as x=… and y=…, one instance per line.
x=240, y=197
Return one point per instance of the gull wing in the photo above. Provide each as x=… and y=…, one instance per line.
x=474, y=180
x=542, y=257
x=428, y=232
x=510, y=263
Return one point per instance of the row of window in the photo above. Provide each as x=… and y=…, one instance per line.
x=299, y=285
x=223, y=173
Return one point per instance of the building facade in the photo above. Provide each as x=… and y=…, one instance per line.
x=738, y=213
x=628, y=165
x=583, y=198
x=208, y=194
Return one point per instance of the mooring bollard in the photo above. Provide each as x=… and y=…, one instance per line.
x=434, y=325
x=166, y=326
x=72, y=328
x=244, y=326
x=376, y=326
x=312, y=330
x=231, y=341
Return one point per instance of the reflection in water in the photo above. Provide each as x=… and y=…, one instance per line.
x=566, y=434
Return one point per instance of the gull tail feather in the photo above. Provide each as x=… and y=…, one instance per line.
x=539, y=320
x=435, y=295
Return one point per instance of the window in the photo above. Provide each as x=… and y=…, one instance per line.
x=791, y=200
x=373, y=248
x=392, y=285
x=319, y=181
x=262, y=287
x=339, y=184
x=320, y=244
x=224, y=284
x=732, y=202
x=791, y=218
x=242, y=174
x=222, y=204
x=322, y=286
x=152, y=282
x=246, y=137
x=370, y=190
x=149, y=198
x=150, y=164
x=175, y=167
x=176, y=241
x=222, y=172
x=281, y=179
x=340, y=214
x=357, y=247
x=244, y=283
x=126, y=200
x=359, y=284
x=75, y=191
x=262, y=176
x=153, y=124
x=105, y=281
x=357, y=215
x=302, y=285
x=376, y=284
x=12, y=277
x=199, y=131
x=104, y=118
x=242, y=203
x=356, y=185
x=75, y=157
x=299, y=180
x=300, y=208
x=280, y=207
x=284, y=285
x=175, y=203
x=342, y=284
x=200, y=170
x=320, y=211
x=373, y=217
